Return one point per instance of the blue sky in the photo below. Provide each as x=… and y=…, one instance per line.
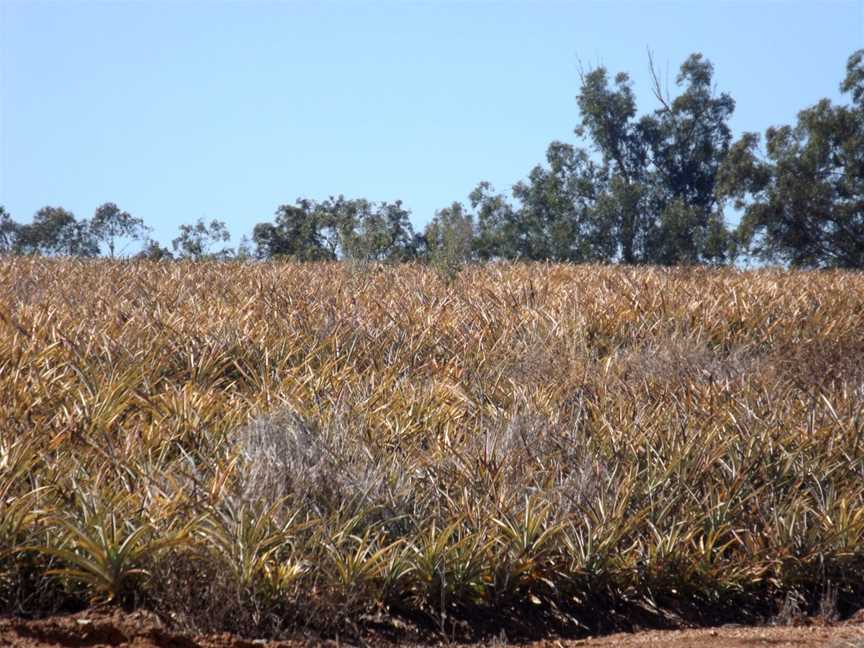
x=181, y=110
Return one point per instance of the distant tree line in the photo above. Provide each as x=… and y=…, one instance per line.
x=649, y=189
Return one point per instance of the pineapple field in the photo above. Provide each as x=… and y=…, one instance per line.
x=536, y=450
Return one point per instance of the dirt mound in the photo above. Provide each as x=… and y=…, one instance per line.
x=116, y=629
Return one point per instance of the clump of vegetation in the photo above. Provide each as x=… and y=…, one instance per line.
x=449, y=239
x=539, y=448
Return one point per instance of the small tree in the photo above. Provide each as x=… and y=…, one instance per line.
x=110, y=223
x=497, y=224
x=197, y=241
x=450, y=241
x=152, y=251
x=244, y=250
x=8, y=232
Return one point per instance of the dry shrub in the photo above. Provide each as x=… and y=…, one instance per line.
x=683, y=361
x=523, y=454
x=316, y=468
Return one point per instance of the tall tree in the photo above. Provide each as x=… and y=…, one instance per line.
x=244, y=250
x=661, y=169
x=110, y=224
x=803, y=200
x=608, y=119
x=689, y=137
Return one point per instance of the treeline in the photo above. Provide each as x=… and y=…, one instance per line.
x=649, y=189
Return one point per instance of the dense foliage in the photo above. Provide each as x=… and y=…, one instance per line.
x=527, y=447
x=804, y=203
x=649, y=189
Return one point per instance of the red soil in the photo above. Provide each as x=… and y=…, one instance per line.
x=113, y=628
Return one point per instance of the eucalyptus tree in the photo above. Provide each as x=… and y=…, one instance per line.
x=688, y=138
x=803, y=197
x=660, y=169
x=56, y=231
x=199, y=240
x=608, y=120
x=110, y=224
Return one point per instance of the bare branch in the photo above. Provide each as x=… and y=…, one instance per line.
x=657, y=88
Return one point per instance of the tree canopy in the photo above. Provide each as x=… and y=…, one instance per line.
x=803, y=198
x=648, y=187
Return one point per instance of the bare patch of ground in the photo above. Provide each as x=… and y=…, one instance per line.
x=115, y=629
x=838, y=636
